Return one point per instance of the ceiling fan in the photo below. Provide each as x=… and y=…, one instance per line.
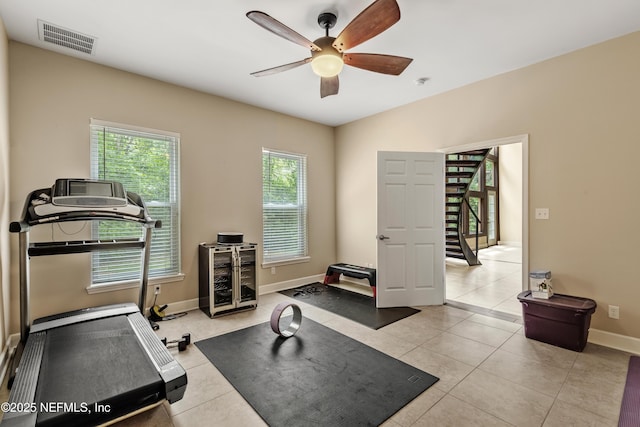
x=328, y=53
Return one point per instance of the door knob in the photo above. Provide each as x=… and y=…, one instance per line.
x=382, y=237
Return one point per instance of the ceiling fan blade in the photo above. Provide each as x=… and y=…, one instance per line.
x=280, y=68
x=329, y=86
x=376, y=18
x=279, y=29
x=385, y=64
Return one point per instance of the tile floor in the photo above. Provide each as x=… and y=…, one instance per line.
x=493, y=285
x=490, y=374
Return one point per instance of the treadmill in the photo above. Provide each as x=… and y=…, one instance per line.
x=95, y=365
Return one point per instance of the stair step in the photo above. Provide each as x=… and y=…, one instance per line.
x=478, y=152
x=454, y=255
x=462, y=163
x=459, y=174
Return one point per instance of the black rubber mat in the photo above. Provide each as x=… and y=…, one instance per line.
x=352, y=305
x=318, y=377
x=630, y=408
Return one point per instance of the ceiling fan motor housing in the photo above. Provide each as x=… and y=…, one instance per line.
x=327, y=20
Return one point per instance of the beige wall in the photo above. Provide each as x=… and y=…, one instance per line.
x=581, y=113
x=4, y=190
x=53, y=98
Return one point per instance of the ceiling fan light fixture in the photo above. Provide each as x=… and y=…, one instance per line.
x=327, y=64
x=327, y=58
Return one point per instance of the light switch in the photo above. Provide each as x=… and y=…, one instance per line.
x=542, y=213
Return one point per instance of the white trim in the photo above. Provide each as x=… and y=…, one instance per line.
x=289, y=284
x=124, y=126
x=179, y=306
x=7, y=354
x=509, y=243
x=193, y=304
x=130, y=284
x=615, y=341
x=524, y=140
x=299, y=260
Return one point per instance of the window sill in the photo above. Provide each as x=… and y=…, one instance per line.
x=130, y=284
x=268, y=264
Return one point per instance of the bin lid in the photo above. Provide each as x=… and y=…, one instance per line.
x=566, y=302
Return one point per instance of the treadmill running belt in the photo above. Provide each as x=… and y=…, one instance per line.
x=93, y=372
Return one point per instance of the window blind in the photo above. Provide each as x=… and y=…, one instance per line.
x=284, y=207
x=146, y=162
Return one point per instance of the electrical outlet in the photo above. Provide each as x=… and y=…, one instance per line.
x=614, y=312
x=273, y=270
x=542, y=213
x=156, y=290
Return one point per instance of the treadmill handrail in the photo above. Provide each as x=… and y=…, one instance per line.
x=135, y=211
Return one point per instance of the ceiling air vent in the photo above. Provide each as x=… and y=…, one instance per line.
x=59, y=36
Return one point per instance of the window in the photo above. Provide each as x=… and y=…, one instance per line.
x=484, y=182
x=284, y=207
x=146, y=162
x=490, y=176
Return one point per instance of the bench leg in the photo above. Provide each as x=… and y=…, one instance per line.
x=332, y=278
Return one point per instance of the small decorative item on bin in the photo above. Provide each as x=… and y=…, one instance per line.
x=540, y=284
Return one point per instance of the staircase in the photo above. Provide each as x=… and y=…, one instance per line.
x=460, y=170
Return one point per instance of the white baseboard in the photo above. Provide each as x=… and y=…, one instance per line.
x=281, y=286
x=7, y=352
x=615, y=341
x=509, y=243
x=181, y=306
x=193, y=304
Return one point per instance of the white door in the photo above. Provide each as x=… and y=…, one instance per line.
x=411, y=248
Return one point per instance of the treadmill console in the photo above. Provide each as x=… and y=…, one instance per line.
x=88, y=193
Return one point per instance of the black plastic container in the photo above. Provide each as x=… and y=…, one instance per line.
x=561, y=320
x=230, y=237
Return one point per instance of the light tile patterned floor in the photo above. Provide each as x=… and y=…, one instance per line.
x=493, y=285
x=490, y=373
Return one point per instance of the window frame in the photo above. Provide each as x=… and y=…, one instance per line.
x=174, y=272
x=482, y=195
x=302, y=254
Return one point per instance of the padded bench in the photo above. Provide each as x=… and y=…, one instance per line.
x=335, y=270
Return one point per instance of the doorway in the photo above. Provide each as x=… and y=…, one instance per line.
x=494, y=285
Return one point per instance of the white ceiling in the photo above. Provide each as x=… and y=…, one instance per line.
x=211, y=46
